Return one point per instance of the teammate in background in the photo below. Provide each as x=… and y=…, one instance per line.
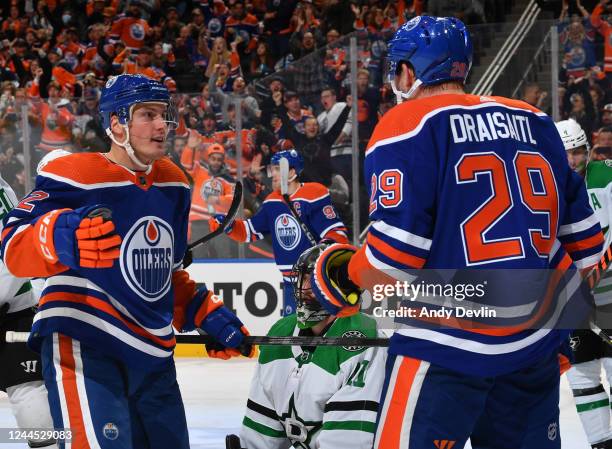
x=462, y=181
x=590, y=351
x=319, y=396
x=21, y=374
x=313, y=205
x=114, y=285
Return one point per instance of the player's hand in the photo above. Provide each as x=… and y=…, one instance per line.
x=80, y=238
x=228, y=330
x=332, y=287
x=215, y=221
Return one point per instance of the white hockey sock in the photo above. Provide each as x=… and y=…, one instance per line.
x=592, y=401
x=31, y=409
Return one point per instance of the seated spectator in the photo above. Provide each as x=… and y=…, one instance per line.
x=262, y=62
x=606, y=115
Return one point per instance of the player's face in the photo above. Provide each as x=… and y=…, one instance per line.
x=577, y=159
x=306, y=293
x=274, y=173
x=148, y=130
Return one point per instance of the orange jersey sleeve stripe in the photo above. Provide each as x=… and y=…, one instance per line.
x=587, y=243
x=103, y=306
x=394, y=254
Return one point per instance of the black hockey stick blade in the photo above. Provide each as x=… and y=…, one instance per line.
x=229, y=217
x=231, y=214
x=232, y=442
x=291, y=340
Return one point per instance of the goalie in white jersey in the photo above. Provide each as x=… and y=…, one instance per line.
x=315, y=397
x=21, y=373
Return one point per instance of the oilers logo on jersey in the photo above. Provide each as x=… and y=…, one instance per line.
x=146, y=257
x=137, y=32
x=287, y=231
x=212, y=187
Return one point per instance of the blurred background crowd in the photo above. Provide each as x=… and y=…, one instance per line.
x=267, y=74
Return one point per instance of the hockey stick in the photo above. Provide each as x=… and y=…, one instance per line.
x=227, y=221
x=284, y=182
x=304, y=340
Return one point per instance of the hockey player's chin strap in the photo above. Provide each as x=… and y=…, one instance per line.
x=127, y=146
x=401, y=95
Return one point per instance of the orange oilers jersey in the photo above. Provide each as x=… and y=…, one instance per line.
x=125, y=311
x=210, y=195
x=479, y=186
x=605, y=29
x=130, y=30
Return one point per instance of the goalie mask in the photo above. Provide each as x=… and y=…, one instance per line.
x=309, y=311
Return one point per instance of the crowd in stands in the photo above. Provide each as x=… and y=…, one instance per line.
x=275, y=69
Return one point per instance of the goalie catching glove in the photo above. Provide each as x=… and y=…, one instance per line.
x=80, y=238
x=332, y=286
x=204, y=310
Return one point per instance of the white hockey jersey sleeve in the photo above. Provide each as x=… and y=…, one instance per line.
x=350, y=414
x=261, y=428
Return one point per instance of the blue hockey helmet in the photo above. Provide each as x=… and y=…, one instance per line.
x=122, y=92
x=439, y=49
x=296, y=161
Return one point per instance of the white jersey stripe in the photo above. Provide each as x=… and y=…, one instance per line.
x=72, y=182
x=579, y=226
x=57, y=366
x=104, y=326
x=413, y=399
x=402, y=235
x=90, y=432
x=74, y=281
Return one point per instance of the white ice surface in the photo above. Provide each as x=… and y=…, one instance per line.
x=215, y=394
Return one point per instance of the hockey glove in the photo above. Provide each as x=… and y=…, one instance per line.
x=202, y=308
x=229, y=332
x=215, y=221
x=236, y=229
x=332, y=286
x=80, y=238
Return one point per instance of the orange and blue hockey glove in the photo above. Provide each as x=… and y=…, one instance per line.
x=235, y=229
x=332, y=286
x=80, y=238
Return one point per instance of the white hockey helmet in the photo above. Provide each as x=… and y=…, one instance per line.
x=572, y=134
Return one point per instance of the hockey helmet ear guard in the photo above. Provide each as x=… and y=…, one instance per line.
x=309, y=310
x=438, y=49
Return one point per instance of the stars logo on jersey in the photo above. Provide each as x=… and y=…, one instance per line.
x=298, y=431
x=147, y=256
x=353, y=334
x=287, y=231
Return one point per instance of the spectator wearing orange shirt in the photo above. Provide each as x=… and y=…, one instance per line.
x=56, y=120
x=604, y=28
x=130, y=28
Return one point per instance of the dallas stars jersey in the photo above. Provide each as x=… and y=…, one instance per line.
x=126, y=311
x=16, y=291
x=599, y=188
x=323, y=398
